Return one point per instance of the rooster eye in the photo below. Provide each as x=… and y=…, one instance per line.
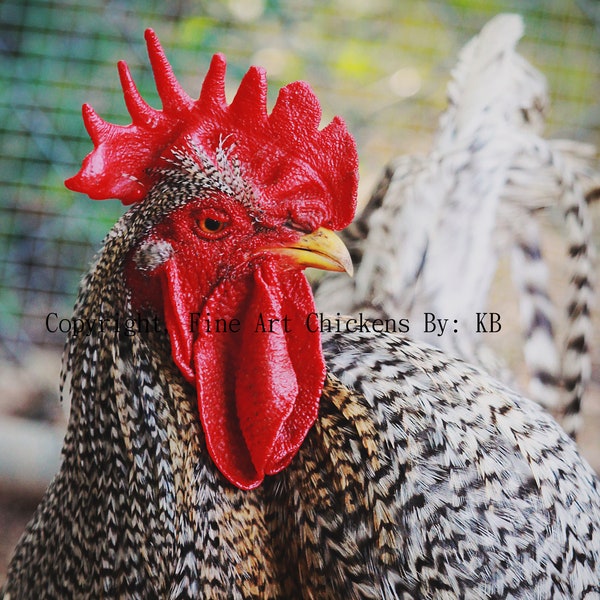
x=211, y=226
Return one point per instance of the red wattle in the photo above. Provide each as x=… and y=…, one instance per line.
x=258, y=377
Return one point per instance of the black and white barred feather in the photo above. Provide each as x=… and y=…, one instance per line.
x=422, y=478
x=430, y=238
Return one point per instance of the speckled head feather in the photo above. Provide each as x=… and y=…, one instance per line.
x=283, y=153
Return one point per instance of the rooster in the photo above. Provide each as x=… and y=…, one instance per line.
x=226, y=440
x=430, y=237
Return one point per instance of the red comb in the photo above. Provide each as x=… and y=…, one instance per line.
x=278, y=151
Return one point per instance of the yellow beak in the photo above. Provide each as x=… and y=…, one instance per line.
x=321, y=249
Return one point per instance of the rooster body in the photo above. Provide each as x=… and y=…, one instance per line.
x=421, y=479
x=291, y=462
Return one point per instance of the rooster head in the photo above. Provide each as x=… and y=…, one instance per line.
x=242, y=201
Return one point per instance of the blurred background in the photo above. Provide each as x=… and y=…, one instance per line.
x=383, y=65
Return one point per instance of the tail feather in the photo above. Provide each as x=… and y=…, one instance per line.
x=430, y=238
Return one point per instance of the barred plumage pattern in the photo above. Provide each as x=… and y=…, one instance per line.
x=430, y=237
x=559, y=376
x=422, y=478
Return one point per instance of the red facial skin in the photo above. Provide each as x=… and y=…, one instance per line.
x=258, y=391
x=258, y=387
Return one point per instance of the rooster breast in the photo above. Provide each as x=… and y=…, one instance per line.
x=423, y=478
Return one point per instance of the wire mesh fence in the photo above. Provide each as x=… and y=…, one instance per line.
x=382, y=65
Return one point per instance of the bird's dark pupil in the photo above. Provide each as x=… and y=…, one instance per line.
x=212, y=224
